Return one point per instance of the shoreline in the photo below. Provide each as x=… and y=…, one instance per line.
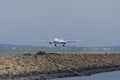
x=84, y=72
x=60, y=74
x=45, y=67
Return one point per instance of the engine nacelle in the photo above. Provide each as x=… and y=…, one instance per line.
x=50, y=42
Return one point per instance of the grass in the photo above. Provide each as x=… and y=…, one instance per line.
x=33, y=51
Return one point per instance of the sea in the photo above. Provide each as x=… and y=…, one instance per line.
x=99, y=76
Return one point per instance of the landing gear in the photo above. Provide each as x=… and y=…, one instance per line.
x=55, y=45
x=63, y=45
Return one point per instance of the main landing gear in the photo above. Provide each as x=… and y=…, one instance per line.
x=63, y=45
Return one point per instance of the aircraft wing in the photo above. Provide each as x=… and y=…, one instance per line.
x=45, y=41
x=71, y=41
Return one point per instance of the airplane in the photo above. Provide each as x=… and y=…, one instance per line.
x=62, y=41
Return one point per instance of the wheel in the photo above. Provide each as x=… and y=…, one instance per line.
x=55, y=45
x=63, y=45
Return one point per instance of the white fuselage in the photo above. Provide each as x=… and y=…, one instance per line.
x=59, y=41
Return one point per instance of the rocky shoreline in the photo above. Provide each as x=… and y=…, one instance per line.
x=56, y=66
x=59, y=74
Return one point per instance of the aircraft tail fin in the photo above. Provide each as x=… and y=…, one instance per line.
x=64, y=35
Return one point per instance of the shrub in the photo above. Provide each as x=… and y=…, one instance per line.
x=41, y=53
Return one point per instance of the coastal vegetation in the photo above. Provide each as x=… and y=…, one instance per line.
x=41, y=53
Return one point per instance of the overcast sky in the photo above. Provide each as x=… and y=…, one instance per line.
x=97, y=22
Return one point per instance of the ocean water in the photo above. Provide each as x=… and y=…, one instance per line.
x=101, y=76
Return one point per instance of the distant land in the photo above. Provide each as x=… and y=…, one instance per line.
x=12, y=46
